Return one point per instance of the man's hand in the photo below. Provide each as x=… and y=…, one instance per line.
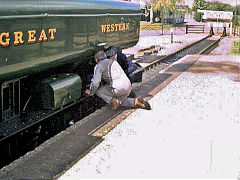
x=87, y=91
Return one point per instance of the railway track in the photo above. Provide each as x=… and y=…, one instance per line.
x=201, y=47
x=48, y=123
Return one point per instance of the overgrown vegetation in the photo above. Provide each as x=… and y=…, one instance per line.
x=155, y=26
x=235, y=47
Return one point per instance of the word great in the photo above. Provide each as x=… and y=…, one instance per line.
x=31, y=37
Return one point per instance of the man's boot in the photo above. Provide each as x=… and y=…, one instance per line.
x=140, y=103
x=115, y=104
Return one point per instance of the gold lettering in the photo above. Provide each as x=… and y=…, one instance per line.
x=6, y=43
x=18, y=38
x=108, y=27
x=31, y=36
x=123, y=26
x=116, y=27
x=120, y=27
x=112, y=27
x=103, y=28
x=127, y=26
x=52, y=32
x=42, y=36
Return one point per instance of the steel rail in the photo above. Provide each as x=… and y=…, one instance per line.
x=212, y=45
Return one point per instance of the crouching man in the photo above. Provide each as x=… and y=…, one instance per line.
x=127, y=65
x=117, y=86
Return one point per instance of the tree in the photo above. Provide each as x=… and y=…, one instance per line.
x=200, y=4
x=164, y=6
x=214, y=6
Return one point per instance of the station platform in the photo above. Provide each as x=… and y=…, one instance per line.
x=192, y=130
x=162, y=43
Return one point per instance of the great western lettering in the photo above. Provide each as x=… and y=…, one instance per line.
x=105, y=28
x=31, y=37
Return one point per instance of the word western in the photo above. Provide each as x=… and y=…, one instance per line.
x=31, y=37
x=114, y=27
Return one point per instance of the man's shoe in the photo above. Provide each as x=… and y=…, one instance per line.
x=140, y=103
x=115, y=104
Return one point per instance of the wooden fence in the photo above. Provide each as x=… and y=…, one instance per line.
x=236, y=30
x=195, y=29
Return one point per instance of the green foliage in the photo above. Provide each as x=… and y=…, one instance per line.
x=200, y=4
x=197, y=16
x=217, y=6
x=214, y=6
x=235, y=47
x=238, y=20
x=156, y=26
x=235, y=20
x=165, y=6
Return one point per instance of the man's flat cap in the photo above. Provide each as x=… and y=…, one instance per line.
x=111, y=51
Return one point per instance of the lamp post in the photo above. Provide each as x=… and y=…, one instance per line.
x=171, y=30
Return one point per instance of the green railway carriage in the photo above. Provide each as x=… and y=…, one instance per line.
x=46, y=48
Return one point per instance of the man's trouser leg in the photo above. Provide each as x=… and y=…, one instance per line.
x=129, y=102
x=122, y=95
x=105, y=92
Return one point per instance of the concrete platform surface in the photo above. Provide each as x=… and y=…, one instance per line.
x=163, y=42
x=192, y=130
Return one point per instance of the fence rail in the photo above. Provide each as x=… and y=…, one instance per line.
x=236, y=30
x=195, y=29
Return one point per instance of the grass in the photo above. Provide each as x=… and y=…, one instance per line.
x=156, y=26
x=235, y=47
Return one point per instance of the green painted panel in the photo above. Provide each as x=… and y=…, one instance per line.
x=78, y=24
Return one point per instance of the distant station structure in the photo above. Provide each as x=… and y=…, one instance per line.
x=219, y=16
x=218, y=20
